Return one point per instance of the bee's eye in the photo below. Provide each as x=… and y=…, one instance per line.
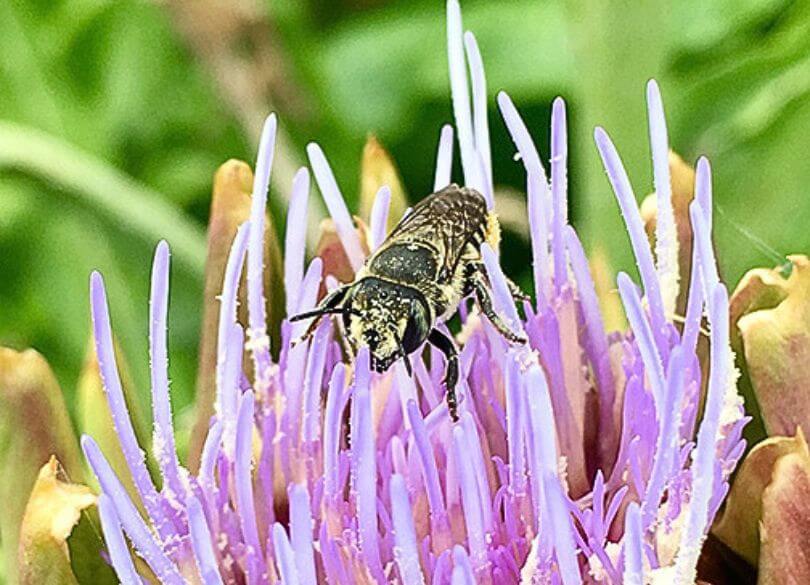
x=416, y=331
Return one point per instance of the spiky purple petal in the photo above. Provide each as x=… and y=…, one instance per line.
x=460, y=90
x=336, y=205
x=667, y=442
x=406, y=553
x=704, y=457
x=633, y=547
x=243, y=478
x=646, y=339
x=108, y=368
x=635, y=229
x=559, y=189
x=257, y=313
x=502, y=297
x=471, y=499
x=364, y=469
x=479, y=106
x=301, y=533
x=140, y=536
x=538, y=194
x=163, y=441
x=444, y=158
x=562, y=531
x=201, y=543
x=285, y=556
x=378, y=224
x=228, y=303
x=597, y=342
x=116, y=545
x=295, y=239
x=331, y=440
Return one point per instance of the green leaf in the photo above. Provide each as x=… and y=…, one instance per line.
x=138, y=209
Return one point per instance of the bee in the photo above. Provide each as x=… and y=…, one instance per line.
x=416, y=279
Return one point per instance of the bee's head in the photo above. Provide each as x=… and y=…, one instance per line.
x=390, y=319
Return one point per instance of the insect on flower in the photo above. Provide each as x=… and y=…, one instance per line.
x=416, y=279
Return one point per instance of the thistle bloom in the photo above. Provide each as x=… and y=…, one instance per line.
x=579, y=457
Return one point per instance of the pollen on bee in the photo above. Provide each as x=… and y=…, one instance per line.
x=493, y=230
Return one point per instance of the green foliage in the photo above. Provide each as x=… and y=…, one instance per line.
x=134, y=134
x=744, y=102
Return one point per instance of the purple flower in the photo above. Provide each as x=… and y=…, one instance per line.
x=579, y=457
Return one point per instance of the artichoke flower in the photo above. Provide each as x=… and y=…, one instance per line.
x=586, y=456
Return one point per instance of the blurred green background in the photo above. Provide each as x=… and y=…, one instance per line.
x=114, y=116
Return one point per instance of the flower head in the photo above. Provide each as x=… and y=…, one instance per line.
x=578, y=457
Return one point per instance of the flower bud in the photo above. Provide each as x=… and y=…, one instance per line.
x=773, y=318
x=34, y=425
x=377, y=169
x=53, y=509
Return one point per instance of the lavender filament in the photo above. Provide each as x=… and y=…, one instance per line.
x=460, y=91
x=364, y=469
x=471, y=499
x=285, y=556
x=301, y=532
x=444, y=158
x=201, y=543
x=108, y=369
x=644, y=334
x=228, y=302
x=140, y=536
x=666, y=235
x=378, y=224
x=163, y=442
x=479, y=106
x=257, y=314
x=406, y=552
x=559, y=188
x=336, y=205
x=244, y=480
x=635, y=229
x=633, y=547
x=116, y=545
x=295, y=238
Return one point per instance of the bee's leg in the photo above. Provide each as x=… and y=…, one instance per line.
x=484, y=297
x=445, y=345
x=476, y=271
x=310, y=331
x=517, y=293
x=327, y=306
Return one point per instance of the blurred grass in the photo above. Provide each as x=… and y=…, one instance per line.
x=124, y=85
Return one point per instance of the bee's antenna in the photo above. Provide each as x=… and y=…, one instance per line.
x=324, y=311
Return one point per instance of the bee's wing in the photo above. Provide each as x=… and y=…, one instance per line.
x=417, y=219
x=447, y=220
